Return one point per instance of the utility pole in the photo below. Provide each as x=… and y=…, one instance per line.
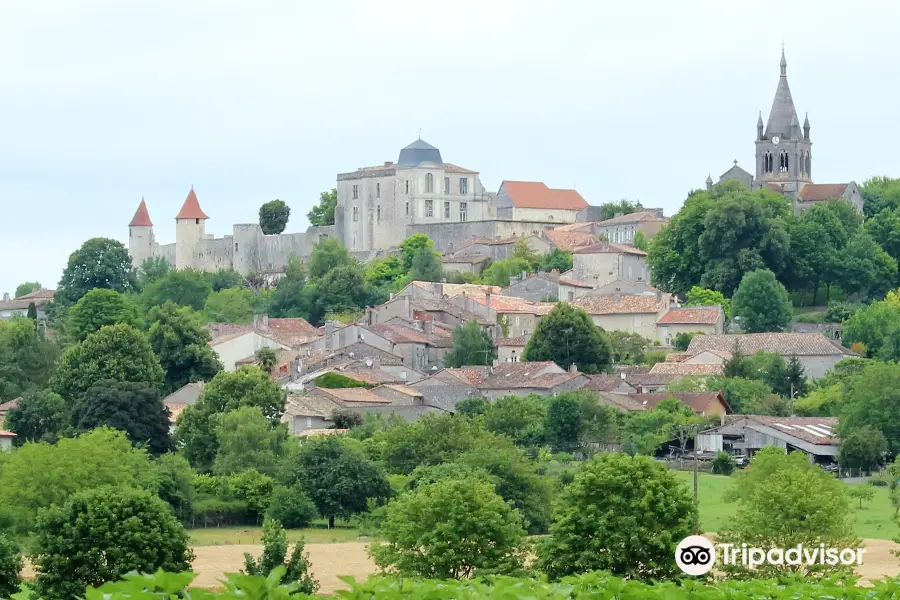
x=696, y=470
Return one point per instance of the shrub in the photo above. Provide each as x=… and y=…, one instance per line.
x=10, y=567
x=723, y=464
x=838, y=312
x=334, y=380
x=291, y=507
x=100, y=535
x=275, y=549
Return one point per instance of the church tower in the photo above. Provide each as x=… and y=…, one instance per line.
x=190, y=229
x=140, y=236
x=783, y=156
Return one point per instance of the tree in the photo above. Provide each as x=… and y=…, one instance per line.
x=266, y=358
x=274, y=216
x=327, y=254
x=292, y=507
x=11, y=565
x=628, y=348
x=698, y=296
x=723, y=464
x=873, y=399
x=230, y=305
x=337, y=477
x=27, y=288
x=223, y=279
x=100, y=535
x=683, y=340
x=135, y=408
x=429, y=441
x=471, y=346
x=292, y=297
x=452, y=529
x=796, y=378
x=884, y=227
x=185, y=287
x=31, y=311
x=873, y=326
x=181, y=344
x=116, y=352
x=520, y=419
x=499, y=272
x=275, y=549
x=323, y=213
x=27, y=358
x=40, y=416
x=674, y=254
x=862, y=448
x=98, y=263
x=784, y=500
x=863, y=493
x=100, y=307
x=567, y=336
x=383, y=272
x=521, y=250
x=38, y=475
x=176, y=485
x=342, y=289
x=865, y=268
x=247, y=441
x=248, y=386
x=880, y=194
x=556, y=259
x=640, y=241
x=426, y=266
x=762, y=303
x=152, y=269
x=564, y=424
x=412, y=246
x=622, y=514
x=610, y=210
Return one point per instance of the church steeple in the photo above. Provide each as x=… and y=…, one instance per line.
x=783, y=63
x=783, y=111
x=806, y=127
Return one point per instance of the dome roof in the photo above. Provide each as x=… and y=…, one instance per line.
x=418, y=152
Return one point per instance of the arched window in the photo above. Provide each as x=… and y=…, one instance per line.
x=767, y=162
x=783, y=162
x=808, y=165
x=429, y=183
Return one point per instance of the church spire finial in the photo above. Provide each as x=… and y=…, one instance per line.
x=783, y=63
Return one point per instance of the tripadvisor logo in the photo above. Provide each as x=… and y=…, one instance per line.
x=696, y=555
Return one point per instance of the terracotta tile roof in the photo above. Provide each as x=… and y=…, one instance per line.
x=9, y=405
x=699, y=315
x=450, y=168
x=515, y=342
x=451, y=290
x=685, y=368
x=814, y=430
x=622, y=304
x=581, y=226
x=307, y=405
x=534, y=194
x=468, y=259
x=293, y=325
x=608, y=248
x=41, y=294
x=785, y=344
x=175, y=409
x=570, y=240
x=473, y=376
x=817, y=192
x=353, y=395
x=543, y=374
x=699, y=401
x=646, y=379
x=320, y=432
x=622, y=401
x=38, y=298
x=603, y=383
x=141, y=216
x=7, y=434
x=403, y=389
x=673, y=357
x=191, y=208
x=371, y=376
x=574, y=283
x=643, y=216
x=401, y=334
x=723, y=354
x=513, y=304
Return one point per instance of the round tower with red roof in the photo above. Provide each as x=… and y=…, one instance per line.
x=140, y=236
x=190, y=229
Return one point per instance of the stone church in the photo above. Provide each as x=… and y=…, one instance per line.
x=784, y=156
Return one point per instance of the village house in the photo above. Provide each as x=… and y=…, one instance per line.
x=632, y=313
x=745, y=435
x=708, y=320
x=445, y=389
x=520, y=379
x=13, y=307
x=236, y=344
x=534, y=201
x=6, y=440
x=177, y=401
x=621, y=229
x=569, y=238
x=704, y=404
x=515, y=316
x=540, y=287
x=511, y=349
x=603, y=262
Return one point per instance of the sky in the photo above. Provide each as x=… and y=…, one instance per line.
x=104, y=102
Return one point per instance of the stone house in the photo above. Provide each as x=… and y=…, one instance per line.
x=624, y=287
x=816, y=353
x=704, y=404
x=685, y=369
x=419, y=304
x=610, y=384
x=13, y=307
x=708, y=320
x=463, y=262
x=603, y=262
x=511, y=349
x=632, y=313
x=569, y=240
x=520, y=379
x=540, y=287
x=445, y=390
x=515, y=316
x=621, y=229
x=421, y=344
x=232, y=349
x=534, y=201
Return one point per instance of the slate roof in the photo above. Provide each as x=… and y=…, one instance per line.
x=685, y=369
x=608, y=248
x=534, y=194
x=621, y=304
x=691, y=315
x=191, y=208
x=785, y=344
x=371, y=376
x=818, y=192
x=401, y=334
x=641, y=216
x=783, y=112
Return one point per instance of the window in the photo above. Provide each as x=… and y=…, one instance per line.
x=446, y=210
x=446, y=186
x=571, y=296
x=783, y=162
x=378, y=214
x=196, y=221
x=378, y=190
x=462, y=211
x=356, y=213
x=308, y=422
x=129, y=233
x=629, y=272
x=355, y=192
x=407, y=186
x=429, y=183
x=767, y=162
x=235, y=247
x=407, y=206
x=429, y=208
x=463, y=185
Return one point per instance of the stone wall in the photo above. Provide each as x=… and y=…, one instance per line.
x=448, y=236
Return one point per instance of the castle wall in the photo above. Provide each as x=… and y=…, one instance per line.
x=448, y=236
x=166, y=251
x=277, y=249
x=213, y=254
x=140, y=244
x=188, y=234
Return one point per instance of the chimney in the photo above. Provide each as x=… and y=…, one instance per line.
x=487, y=299
x=618, y=297
x=427, y=326
x=376, y=362
x=573, y=368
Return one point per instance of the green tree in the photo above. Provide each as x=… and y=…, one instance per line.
x=292, y=507
x=723, y=464
x=471, y=346
x=628, y=348
x=521, y=419
x=411, y=247
x=426, y=266
x=498, y=273
x=568, y=336
x=135, y=408
x=864, y=268
x=99, y=536
x=622, y=514
x=98, y=263
x=451, y=529
x=31, y=311
x=609, y=210
x=27, y=288
x=116, y=352
x=884, y=227
x=564, y=423
x=674, y=251
x=100, y=307
x=813, y=253
x=342, y=289
x=698, y=296
x=38, y=475
x=824, y=401
x=640, y=241
x=784, y=500
x=223, y=279
x=274, y=216
x=27, y=358
x=248, y=386
x=292, y=297
x=176, y=485
x=873, y=326
x=880, y=194
x=230, y=305
x=683, y=340
x=327, y=254
x=152, y=269
x=185, y=287
x=862, y=448
x=337, y=477
x=762, y=303
x=275, y=550
x=429, y=441
x=521, y=250
x=556, y=259
x=873, y=399
x=863, y=493
x=383, y=272
x=266, y=358
x=40, y=416
x=181, y=344
x=247, y=441
x=323, y=213
x=11, y=565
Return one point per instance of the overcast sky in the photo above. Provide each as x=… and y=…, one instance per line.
x=105, y=101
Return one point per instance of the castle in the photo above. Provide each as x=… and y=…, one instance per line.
x=784, y=156
x=246, y=250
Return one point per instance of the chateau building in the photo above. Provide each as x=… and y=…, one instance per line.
x=784, y=156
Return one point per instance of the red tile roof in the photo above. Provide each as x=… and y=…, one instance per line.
x=817, y=192
x=607, y=248
x=683, y=369
x=534, y=194
x=642, y=216
x=785, y=344
x=9, y=405
x=7, y=434
x=570, y=240
x=692, y=315
x=622, y=304
x=141, y=216
x=191, y=208
x=698, y=401
x=515, y=342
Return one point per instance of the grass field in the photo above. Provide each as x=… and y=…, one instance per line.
x=317, y=534
x=874, y=521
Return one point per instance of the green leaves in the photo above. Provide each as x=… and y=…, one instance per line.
x=567, y=336
x=762, y=303
x=273, y=216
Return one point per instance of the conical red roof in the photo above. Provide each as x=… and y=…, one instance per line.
x=191, y=208
x=141, y=216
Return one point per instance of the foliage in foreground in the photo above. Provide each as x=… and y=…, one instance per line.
x=591, y=586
